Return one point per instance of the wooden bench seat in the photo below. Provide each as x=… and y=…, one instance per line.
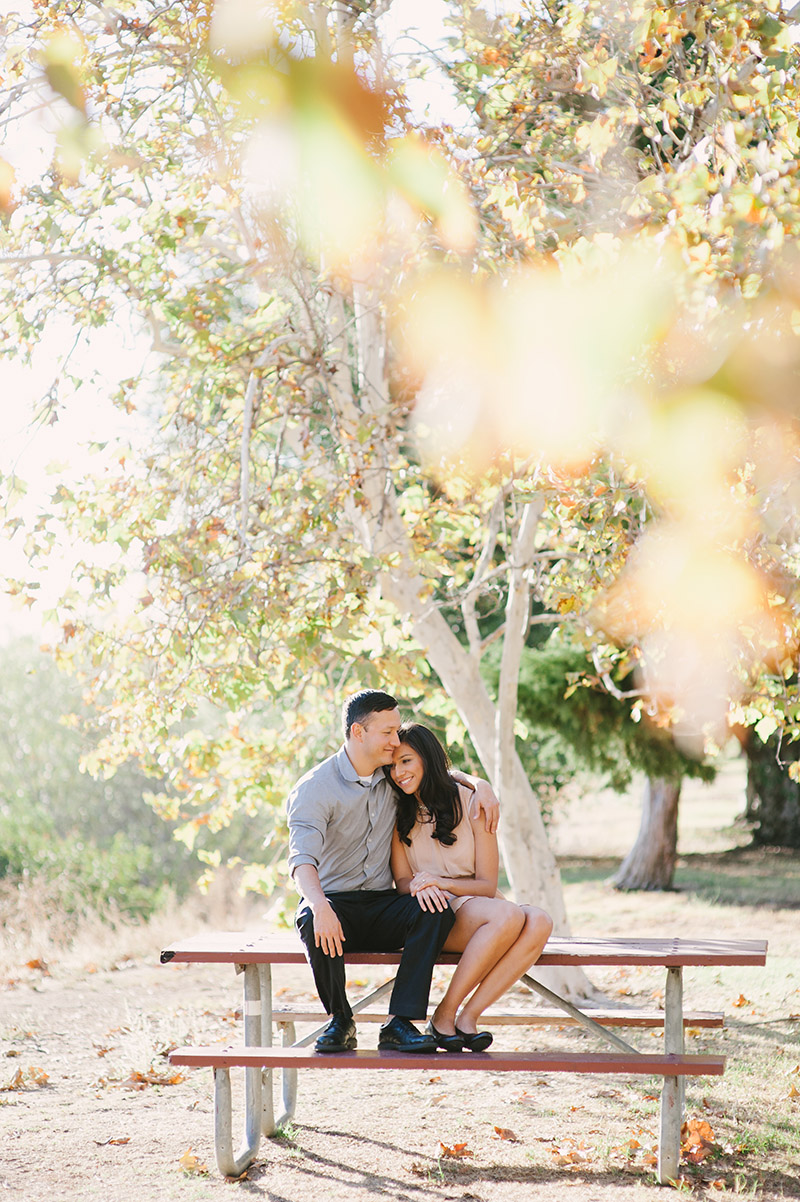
x=643, y=1064
x=541, y=1016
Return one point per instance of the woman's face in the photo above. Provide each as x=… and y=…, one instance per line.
x=407, y=769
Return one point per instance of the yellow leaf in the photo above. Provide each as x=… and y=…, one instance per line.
x=191, y=1165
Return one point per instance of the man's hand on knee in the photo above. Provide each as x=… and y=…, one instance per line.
x=328, y=933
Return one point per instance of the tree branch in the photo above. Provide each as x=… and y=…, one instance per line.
x=244, y=468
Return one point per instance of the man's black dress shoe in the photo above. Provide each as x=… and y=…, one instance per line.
x=478, y=1042
x=448, y=1043
x=400, y=1035
x=338, y=1036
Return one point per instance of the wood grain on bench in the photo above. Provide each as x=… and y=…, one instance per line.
x=248, y=947
x=671, y=1065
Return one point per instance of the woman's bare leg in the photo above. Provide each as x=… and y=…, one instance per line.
x=523, y=952
x=484, y=930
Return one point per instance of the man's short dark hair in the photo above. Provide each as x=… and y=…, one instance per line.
x=362, y=704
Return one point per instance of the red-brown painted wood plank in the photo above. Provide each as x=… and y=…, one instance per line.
x=494, y=1061
x=238, y=947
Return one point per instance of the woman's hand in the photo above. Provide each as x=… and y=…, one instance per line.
x=422, y=880
x=431, y=897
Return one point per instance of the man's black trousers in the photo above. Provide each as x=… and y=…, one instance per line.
x=379, y=921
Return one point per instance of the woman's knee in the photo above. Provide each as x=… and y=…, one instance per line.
x=538, y=925
x=508, y=918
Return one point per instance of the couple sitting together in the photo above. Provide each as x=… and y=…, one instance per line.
x=390, y=848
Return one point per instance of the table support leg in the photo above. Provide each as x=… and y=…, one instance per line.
x=268, y=1125
x=231, y=1165
x=288, y=1078
x=579, y=1015
x=669, y=1144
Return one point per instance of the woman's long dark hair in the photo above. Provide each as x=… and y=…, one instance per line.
x=438, y=792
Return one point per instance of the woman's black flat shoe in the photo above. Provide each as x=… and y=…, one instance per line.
x=448, y=1043
x=478, y=1042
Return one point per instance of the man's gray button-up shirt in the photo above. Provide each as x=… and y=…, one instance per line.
x=341, y=826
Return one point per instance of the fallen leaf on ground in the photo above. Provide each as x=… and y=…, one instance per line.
x=794, y=1092
x=698, y=1141
x=192, y=1165
x=506, y=1133
x=457, y=1151
x=26, y=1079
x=138, y=1080
x=570, y=1152
x=742, y=1001
x=38, y=965
x=102, y=1143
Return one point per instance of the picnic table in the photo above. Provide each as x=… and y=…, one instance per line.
x=254, y=953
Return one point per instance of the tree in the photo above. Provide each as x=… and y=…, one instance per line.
x=283, y=487
x=594, y=123
x=283, y=520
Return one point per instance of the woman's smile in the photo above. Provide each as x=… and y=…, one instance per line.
x=407, y=769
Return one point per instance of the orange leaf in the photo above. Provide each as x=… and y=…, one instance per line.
x=138, y=1080
x=741, y=1001
x=505, y=1133
x=697, y=1131
x=457, y=1151
x=26, y=1079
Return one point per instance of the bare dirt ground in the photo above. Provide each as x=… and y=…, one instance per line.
x=90, y=1109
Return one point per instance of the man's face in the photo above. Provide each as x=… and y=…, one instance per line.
x=377, y=737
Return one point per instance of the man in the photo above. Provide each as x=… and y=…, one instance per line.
x=341, y=816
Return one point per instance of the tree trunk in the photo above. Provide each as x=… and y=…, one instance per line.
x=650, y=864
x=773, y=798
x=527, y=856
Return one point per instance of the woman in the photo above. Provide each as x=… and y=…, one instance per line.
x=443, y=857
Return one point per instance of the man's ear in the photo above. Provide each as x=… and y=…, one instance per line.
x=357, y=731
